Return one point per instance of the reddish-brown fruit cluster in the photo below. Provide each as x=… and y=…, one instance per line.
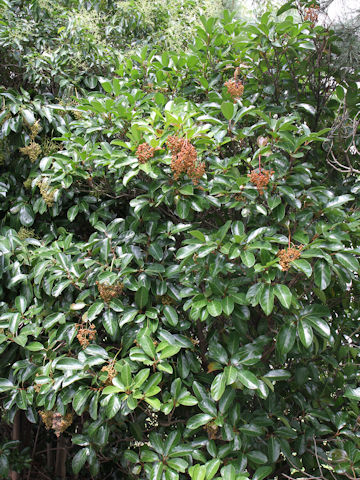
x=111, y=373
x=144, y=152
x=312, y=14
x=85, y=334
x=56, y=421
x=235, y=88
x=184, y=159
x=260, y=178
x=288, y=255
x=108, y=292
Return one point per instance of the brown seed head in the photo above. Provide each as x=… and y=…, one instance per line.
x=260, y=179
x=144, y=152
x=184, y=159
x=235, y=88
x=288, y=255
x=108, y=292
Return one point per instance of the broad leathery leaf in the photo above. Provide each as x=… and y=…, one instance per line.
x=352, y=393
x=227, y=305
x=197, y=472
x=228, y=472
x=248, y=258
x=21, y=303
x=322, y=274
x=6, y=385
x=286, y=338
x=79, y=460
x=94, y=310
x=198, y=420
x=80, y=400
x=187, y=251
x=348, y=260
x=305, y=333
x=273, y=449
x=141, y=377
x=248, y=379
x=338, y=201
x=113, y=406
x=171, y=315
x=214, y=308
x=68, y=363
x=267, y=299
x=228, y=110
x=147, y=345
x=320, y=325
x=171, y=441
x=303, y=266
x=141, y=297
x=212, y=468
x=218, y=386
x=282, y=292
x=26, y=216
x=262, y=472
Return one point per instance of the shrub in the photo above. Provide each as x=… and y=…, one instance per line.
x=179, y=271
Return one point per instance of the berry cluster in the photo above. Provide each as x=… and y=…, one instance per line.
x=260, y=178
x=56, y=421
x=288, y=255
x=144, y=152
x=85, y=334
x=184, y=159
x=108, y=292
x=235, y=88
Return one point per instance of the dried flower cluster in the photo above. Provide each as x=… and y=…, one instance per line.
x=152, y=420
x=166, y=300
x=184, y=159
x=235, y=88
x=108, y=292
x=111, y=373
x=27, y=183
x=262, y=141
x=144, y=152
x=33, y=150
x=312, y=14
x=56, y=421
x=211, y=430
x=47, y=193
x=77, y=114
x=25, y=233
x=49, y=146
x=85, y=334
x=260, y=178
x=288, y=255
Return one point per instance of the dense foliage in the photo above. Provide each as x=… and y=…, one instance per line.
x=179, y=233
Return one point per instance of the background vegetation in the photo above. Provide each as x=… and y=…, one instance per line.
x=179, y=242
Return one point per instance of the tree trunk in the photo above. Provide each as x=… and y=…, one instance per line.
x=15, y=435
x=60, y=466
